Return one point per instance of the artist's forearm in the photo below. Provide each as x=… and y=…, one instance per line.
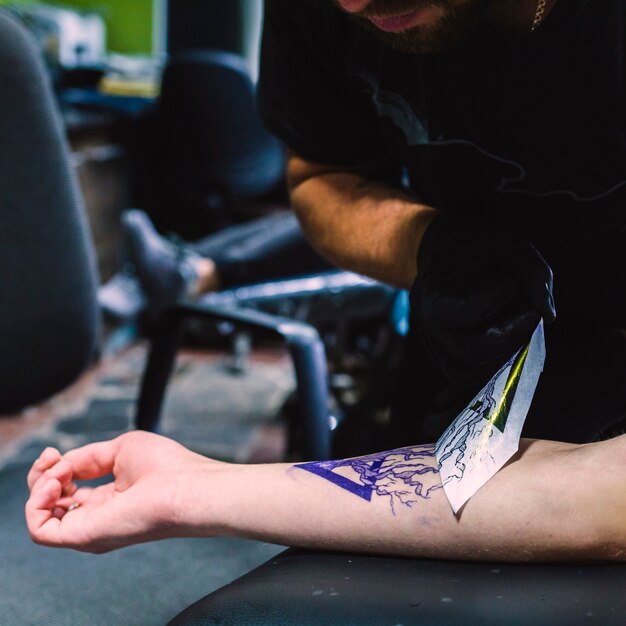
x=547, y=505
x=359, y=224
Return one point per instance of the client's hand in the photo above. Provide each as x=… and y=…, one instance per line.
x=153, y=478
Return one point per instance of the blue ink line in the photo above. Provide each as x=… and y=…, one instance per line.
x=363, y=491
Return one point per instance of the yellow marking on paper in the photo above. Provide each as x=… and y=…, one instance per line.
x=516, y=372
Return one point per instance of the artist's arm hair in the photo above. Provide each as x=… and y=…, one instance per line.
x=358, y=222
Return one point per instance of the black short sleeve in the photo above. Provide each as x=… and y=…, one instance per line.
x=306, y=96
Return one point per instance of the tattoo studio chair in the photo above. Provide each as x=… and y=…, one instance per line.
x=49, y=315
x=303, y=342
x=307, y=314
x=218, y=164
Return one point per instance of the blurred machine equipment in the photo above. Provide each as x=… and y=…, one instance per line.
x=68, y=38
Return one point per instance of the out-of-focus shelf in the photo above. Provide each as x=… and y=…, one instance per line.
x=88, y=108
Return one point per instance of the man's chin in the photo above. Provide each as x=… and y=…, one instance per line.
x=412, y=42
x=422, y=40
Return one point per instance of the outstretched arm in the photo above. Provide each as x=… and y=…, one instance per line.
x=552, y=502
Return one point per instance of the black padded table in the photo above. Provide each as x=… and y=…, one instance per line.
x=299, y=588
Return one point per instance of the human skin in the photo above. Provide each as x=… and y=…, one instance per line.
x=552, y=502
x=357, y=223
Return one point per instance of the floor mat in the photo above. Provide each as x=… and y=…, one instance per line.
x=209, y=409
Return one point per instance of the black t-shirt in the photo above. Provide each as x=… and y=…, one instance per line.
x=524, y=129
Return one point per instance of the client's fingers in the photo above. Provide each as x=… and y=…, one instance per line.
x=58, y=512
x=62, y=472
x=93, y=460
x=48, y=458
x=70, y=489
x=40, y=507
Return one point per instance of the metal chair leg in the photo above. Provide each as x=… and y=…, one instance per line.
x=158, y=371
x=305, y=346
x=309, y=360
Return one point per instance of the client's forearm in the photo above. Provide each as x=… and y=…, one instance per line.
x=552, y=502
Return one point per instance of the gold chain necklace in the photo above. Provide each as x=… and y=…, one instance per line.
x=539, y=14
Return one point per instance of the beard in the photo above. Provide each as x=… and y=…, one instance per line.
x=460, y=18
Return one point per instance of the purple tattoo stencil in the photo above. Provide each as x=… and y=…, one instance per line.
x=405, y=475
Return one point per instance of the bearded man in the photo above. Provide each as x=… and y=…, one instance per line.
x=474, y=152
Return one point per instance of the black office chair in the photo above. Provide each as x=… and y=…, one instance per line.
x=304, y=344
x=49, y=315
x=296, y=311
x=217, y=158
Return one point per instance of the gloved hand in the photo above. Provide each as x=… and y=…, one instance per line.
x=480, y=292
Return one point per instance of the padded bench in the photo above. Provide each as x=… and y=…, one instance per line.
x=302, y=588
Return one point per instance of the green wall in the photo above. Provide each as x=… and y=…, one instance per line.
x=129, y=22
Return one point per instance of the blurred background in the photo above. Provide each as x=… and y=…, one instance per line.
x=106, y=60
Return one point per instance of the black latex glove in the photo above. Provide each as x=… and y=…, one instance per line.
x=479, y=294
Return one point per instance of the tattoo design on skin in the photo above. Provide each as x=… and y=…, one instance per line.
x=489, y=410
x=405, y=476
x=468, y=425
